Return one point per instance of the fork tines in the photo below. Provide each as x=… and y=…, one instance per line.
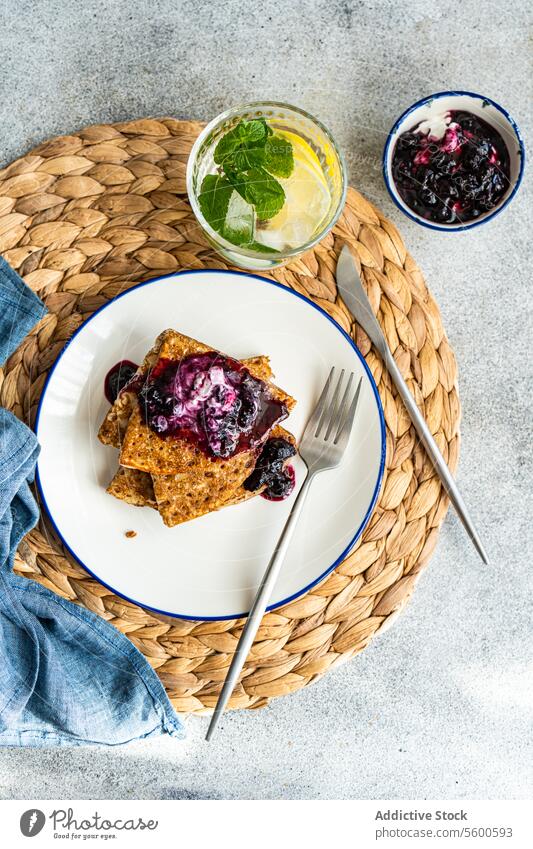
x=336, y=414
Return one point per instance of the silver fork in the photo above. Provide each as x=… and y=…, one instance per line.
x=323, y=443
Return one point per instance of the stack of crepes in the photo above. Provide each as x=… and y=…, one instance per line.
x=174, y=474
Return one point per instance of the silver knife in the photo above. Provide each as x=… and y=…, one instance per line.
x=354, y=296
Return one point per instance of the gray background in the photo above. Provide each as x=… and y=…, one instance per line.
x=440, y=706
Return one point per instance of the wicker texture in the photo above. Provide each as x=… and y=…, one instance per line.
x=85, y=216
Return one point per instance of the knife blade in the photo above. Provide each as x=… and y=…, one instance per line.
x=353, y=294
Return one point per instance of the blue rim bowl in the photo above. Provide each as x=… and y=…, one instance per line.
x=485, y=108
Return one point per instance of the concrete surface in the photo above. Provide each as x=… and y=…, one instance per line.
x=440, y=706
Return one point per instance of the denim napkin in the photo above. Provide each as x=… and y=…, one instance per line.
x=67, y=677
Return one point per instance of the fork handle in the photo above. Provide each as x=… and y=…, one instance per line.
x=432, y=449
x=259, y=606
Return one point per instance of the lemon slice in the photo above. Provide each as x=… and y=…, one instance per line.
x=307, y=202
x=302, y=151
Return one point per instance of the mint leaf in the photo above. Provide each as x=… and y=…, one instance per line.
x=262, y=191
x=249, y=154
x=278, y=156
x=243, y=160
x=214, y=200
x=237, y=180
x=228, y=144
x=256, y=132
x=245, y=134
x=269, y=131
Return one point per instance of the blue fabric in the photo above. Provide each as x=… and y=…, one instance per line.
x=67, y=677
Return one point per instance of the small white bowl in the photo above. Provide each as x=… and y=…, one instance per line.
x=483, y=107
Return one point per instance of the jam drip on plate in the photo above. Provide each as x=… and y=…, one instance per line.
x=117, y=378
x=454, y=178
x=270, y=472
x=212, y=400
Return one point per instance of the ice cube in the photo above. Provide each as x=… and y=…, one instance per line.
x=270, y=239
x=240, y=221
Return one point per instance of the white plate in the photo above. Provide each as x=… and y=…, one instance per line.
x=208, y=568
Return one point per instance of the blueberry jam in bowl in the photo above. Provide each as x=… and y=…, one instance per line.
x=453, y=160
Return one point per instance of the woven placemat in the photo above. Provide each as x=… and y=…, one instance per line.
x=85, y=216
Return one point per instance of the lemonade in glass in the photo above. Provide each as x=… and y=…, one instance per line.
x=266, y=182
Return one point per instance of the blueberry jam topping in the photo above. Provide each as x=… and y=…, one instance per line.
x=270, y=472
x=212, y=400
x=281, y=486
x=454, y=178
x=117, y=378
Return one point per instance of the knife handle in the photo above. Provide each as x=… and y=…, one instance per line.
x=432, y=449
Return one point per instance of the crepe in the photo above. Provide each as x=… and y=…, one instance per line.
x=163, y=492
x=134, y=487
x=180, y=499
x=174, y=475
x=146, y=450
x=114, y=426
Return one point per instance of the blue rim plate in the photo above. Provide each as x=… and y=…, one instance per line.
x=511, y=126
x=231, y=311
